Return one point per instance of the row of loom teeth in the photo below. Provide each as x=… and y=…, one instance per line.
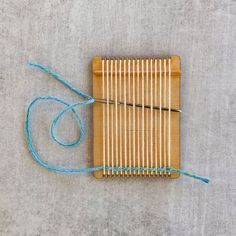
x=159, y=174
x=135, y=58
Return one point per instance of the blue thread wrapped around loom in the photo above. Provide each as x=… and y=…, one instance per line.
x=71, y=107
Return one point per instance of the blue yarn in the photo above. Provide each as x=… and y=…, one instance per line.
x=71, y=107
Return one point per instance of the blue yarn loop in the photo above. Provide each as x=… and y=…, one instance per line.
x=87, y=99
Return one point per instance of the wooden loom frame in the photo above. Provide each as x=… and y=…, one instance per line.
x=98, y=113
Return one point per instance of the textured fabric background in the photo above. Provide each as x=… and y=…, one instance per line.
x=65, y=35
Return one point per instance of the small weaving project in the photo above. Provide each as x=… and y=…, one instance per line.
x=136, y=118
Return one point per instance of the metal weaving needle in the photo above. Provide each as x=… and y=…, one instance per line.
x=98, y=100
